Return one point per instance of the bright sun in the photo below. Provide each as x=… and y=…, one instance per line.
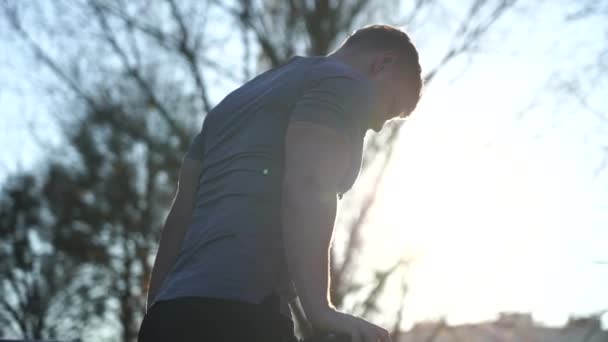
x=475, y=218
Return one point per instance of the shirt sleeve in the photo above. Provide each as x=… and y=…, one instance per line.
x=338, y=102
x=196, y=149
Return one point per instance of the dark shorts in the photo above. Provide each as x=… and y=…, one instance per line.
x=218, y=320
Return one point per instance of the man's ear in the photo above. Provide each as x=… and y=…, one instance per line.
x=389, y=57
x=384, y=60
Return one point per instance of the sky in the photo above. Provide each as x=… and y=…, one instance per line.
x=493, y=193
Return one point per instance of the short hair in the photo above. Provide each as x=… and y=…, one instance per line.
x=387, y=37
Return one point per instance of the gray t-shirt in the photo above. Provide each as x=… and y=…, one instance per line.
x=233, y=248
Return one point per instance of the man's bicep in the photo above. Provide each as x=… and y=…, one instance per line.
x=187, y=184
x=196, y=149
x=190, y=171
x=316, y=157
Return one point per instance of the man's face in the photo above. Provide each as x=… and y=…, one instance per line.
x=390, y=97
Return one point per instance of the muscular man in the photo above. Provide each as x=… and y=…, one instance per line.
x=251, y=225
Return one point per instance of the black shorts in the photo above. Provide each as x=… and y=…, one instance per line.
x=216, y=320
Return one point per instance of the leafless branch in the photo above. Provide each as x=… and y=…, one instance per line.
x=246, y=44
x=396, y=330
x=132, y=39
x=165, y=41
x=18, y=290
x=135, y=74
x=16, y=317
x=382, y=277
x=603, y=163
x=469, y=34
x=189, y=54
x=417, y=10
x=373, y=147
x=13, y=19
x=246, y=15
x=589, y=8
x=584, y=103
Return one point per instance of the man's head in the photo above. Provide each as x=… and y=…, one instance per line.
x=387, y=55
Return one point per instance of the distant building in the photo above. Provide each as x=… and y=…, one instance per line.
x=510, y=327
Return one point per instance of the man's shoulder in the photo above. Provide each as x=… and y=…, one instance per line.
x=330, y=67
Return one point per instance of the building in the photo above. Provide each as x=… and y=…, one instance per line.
x=510, y=327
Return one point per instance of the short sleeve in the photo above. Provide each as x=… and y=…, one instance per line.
x=338, y=102
x=196, y=150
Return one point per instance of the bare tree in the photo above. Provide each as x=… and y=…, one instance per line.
x=34, y=300
x=128, y=127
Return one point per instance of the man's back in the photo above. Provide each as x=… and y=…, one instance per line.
x=268, y=164
x=233, y=247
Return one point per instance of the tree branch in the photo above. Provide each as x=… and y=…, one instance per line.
x=370, y=302
x=467, y=35
x=13, y=20
x=165, y=41
x=16, y=317
x=189, y=55
x=267, y=47
x=396, y=330
x=135, y=74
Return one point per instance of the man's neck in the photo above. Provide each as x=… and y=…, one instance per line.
x=356, y=61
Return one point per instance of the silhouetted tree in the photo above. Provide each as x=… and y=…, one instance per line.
x=44, y=293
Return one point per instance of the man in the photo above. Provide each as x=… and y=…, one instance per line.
x=252, y=221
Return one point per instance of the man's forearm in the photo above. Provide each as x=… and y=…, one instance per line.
x=170, y=242
x=307, y=231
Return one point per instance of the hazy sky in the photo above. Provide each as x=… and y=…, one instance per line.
x=494, y=190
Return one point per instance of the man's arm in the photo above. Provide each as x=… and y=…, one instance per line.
x=176, y=225
x=316, y=159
